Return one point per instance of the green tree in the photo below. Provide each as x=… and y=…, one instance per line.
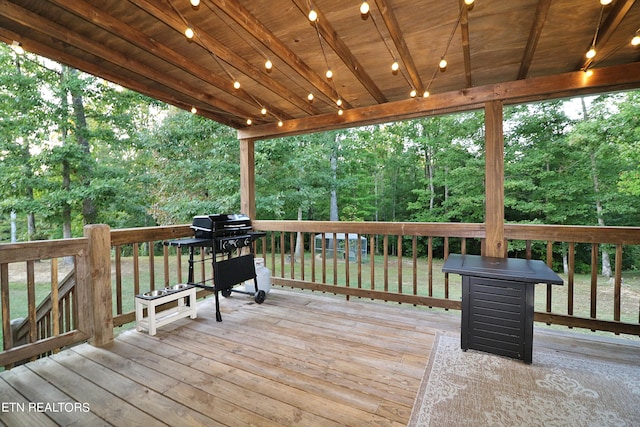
x=24, y=118
x=451, y=157
x=194, y=170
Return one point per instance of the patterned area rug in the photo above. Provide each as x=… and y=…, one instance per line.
x=478, y=389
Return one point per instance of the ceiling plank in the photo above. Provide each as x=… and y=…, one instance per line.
x=208, y=42
x=333, y=39
x=393, y=27
x=133, y=35
x=261, y=33
x=534, y=36
x=39, y=24
x=619, y=77
x=616, y=15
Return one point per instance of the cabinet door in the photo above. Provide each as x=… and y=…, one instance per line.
x=497, y=316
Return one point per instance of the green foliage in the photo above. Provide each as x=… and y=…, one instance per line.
x=194, y=169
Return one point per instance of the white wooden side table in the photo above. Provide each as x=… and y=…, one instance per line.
x=186, y=307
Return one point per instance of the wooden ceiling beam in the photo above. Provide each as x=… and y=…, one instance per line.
x=619, y=10
x=393, y=27
x=262, y=34
x=207, y=42
x=151, y=90
x=41, y=25
x=534, y=36
x=130, y=34
x=620, y=77
x=340, y=48
x=466, y=48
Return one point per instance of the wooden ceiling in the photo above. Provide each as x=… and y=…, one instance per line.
x=496, y=44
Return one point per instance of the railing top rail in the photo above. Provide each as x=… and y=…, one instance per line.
x=436, y=229
x=148, y=234
x=573, y=233
x=41, y=249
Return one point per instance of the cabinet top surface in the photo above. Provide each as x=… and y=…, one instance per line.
x=522, y=270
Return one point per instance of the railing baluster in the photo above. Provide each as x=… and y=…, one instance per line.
x=31, y=303
x=55, y=303
x=312, y=244
x=292, y=255
x=165, y=262
x=324, y=258
x=399, y=257
x=570, y=278
x=385, y=252
x=346, y=260
x=302, y=256
x=118, y=262
x=136, y=268
x=71, y=311
x=446, y=275
x=359, y=261
x=414, y=255
x=335, y=258
x=550, y=265
x=152, y=266
x=594, y=279
x=617, y=291
x=273, y=253
x=179, y=265
x=372, y=260
x=7, y=337
x=282, y=250
x=430, y=264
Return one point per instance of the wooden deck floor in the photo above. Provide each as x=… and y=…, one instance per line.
x=298, y=359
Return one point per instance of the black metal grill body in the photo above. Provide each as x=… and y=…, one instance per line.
x=226, y=236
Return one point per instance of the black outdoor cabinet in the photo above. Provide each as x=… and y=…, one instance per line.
x=498, y=301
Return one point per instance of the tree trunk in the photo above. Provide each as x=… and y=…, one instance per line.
x=66, y=209
x=299, y=242
x=14, y=238
x=333, y=209
x=31, y=225
x=432, y=190
x=446, y=183
x=89, y=211
x=31, y=217
x=606, y=263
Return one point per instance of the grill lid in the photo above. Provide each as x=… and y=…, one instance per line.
x=220, y=225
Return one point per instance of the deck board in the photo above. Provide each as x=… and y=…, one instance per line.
x=300, y=358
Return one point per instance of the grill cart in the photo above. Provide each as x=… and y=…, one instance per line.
x=229, y=239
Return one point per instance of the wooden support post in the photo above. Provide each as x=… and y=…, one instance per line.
x=495, y=243
x=247, y=178
x=99, y=274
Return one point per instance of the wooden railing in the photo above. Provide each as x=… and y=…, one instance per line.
x=395, y=270
x=400, y=262
x=606, y=303
x=138, y=268
x=63, y=322
x=381, y=274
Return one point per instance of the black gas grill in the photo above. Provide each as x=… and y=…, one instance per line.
x=226, y=236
